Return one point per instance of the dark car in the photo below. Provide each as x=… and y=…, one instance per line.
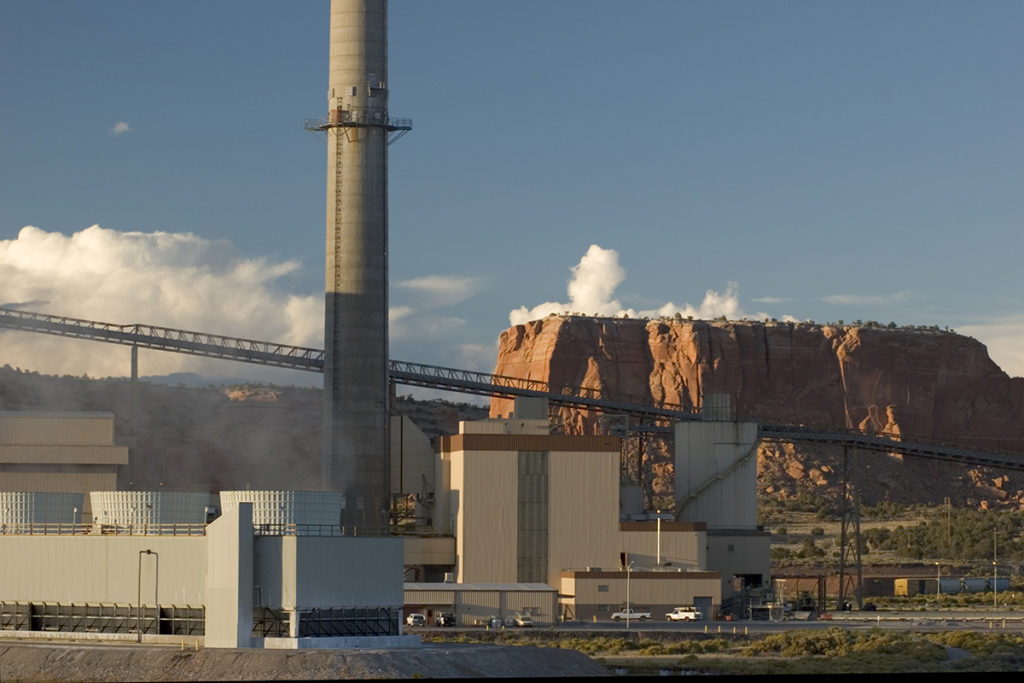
x=445, y=619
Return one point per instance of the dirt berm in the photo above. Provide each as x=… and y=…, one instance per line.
x=53, y=662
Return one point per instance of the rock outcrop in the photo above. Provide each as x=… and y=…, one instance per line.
x=926, y=384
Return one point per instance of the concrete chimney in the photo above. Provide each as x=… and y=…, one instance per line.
x=355, y=448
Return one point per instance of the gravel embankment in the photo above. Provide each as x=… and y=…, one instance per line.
x=53, y=662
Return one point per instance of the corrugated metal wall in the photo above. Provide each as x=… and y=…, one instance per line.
x=485, y=484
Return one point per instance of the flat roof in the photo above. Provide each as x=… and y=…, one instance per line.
x=63, y=414
x=521, y=587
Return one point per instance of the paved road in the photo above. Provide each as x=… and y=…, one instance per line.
x=933, y=620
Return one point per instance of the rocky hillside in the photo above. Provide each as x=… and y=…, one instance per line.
x=915, y=383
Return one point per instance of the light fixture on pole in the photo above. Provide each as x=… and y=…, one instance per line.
x=659, y=539
x=138, y=604
x=995, y=570
x=995, y=583
x=629, y=613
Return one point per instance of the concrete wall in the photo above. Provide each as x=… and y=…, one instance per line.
x=328, y=571
x=716, y=474
x=230, y=565
x=97, y=569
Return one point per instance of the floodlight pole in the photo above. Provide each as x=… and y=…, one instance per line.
x=138, y=607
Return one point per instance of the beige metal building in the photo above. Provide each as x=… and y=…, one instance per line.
x=526, y=505
x=596, y=594
x=60, y=452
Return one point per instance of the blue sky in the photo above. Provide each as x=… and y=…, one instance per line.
x=801, y=159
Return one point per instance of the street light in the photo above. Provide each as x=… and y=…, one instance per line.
x=659, y=539
x=995, y=570
x=629, y=568
x=995, y=583
x=138, y=610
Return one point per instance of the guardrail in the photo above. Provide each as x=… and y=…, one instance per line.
x=293, y=529
x=69, y=529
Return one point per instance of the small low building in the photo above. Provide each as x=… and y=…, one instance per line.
x=477, y=604
x=595, y=594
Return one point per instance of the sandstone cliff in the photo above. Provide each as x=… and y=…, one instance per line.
x=918, y=383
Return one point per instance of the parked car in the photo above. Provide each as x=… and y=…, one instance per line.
x=631, y=614
x=687, y=613
x=416, y=620
x=445, y=619
x=523, y=620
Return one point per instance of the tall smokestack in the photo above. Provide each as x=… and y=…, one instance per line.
x=355, y=452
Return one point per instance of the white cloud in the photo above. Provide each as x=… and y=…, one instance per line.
x=120, y=127
x=441, y=290
x=771, y=300
x=173, y=280
x=592, y=288
x=1002, y=337
x=397, y=313
x=868, y=300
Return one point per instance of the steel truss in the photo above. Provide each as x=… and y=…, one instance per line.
x=645, y=416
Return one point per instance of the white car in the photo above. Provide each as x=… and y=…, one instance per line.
x=630, y=614
x=416, y=620
x=684, y=614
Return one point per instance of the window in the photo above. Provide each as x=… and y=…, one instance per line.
x=602, y=588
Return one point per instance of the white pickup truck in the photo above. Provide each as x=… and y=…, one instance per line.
x=631, y=614
x=684, y=614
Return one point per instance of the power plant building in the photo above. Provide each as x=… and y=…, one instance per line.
x=526, y=505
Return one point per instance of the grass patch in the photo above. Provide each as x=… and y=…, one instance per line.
x=800, y=651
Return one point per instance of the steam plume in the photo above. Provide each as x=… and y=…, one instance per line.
x=592, y=288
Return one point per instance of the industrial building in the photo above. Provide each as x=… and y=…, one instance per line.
x=268, y=572
x=60, y=452
x=511, y=519
x=526, y=505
